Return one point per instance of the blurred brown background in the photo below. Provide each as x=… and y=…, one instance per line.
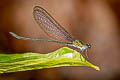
x=93, y=21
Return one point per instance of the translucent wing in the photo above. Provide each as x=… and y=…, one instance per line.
x=49, y=25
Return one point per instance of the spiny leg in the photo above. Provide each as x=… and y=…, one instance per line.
x=80, y=54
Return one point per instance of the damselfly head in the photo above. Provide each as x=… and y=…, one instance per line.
x=88, y=45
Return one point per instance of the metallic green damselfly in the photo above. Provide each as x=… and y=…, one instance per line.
x=50, y=26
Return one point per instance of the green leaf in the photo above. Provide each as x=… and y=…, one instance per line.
x=31, y=61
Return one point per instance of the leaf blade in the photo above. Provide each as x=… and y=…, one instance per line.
x=32, y=61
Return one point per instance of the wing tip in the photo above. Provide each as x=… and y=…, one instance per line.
x=37, y=8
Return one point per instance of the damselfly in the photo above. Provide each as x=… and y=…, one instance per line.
x=50, y=26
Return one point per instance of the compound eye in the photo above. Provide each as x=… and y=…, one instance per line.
x=89, y=46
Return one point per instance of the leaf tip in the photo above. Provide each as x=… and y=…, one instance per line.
x=97, y=68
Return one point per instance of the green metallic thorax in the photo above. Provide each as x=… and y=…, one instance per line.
x=80, y=43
